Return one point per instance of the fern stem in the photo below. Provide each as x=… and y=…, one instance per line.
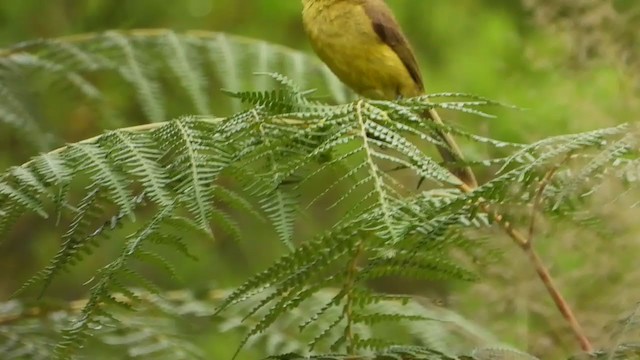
x=136, y=128
x=558, y=299
x=541, y=269
x=525, y=243
x=377, y=181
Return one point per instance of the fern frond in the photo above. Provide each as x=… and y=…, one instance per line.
x=392, y=353
x=501, y=353
x=281, y=208
x=104, y=171
x=183, y=167
x=15, y=114
x=77, y=241
x=30, y=63
x=198, y=62
x=78, y=332
x=155, y=329
x=187, y=70
x=138, y=157
x=135, y=71
x=557, y=146
x=19, y=194
x=194, y=176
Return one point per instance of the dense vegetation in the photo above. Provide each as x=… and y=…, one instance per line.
x=198, y=192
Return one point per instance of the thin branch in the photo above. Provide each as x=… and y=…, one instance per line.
x=541, y=269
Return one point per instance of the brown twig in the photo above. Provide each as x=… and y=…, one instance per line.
x=543, y=273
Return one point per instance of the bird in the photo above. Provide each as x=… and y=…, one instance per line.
x=363, y=45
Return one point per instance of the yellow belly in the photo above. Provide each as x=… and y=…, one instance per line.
x=344, y=39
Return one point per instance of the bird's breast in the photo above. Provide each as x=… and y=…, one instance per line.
x=343, y=37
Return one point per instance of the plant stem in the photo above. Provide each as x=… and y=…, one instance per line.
x=543, y=273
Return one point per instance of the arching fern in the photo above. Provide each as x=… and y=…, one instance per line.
x=157, y=66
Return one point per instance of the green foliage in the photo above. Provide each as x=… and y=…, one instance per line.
x=155, y=64
x=153, y=333
x=176, y=181
x=160, y=326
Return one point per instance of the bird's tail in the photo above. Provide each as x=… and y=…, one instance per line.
x=452, y=155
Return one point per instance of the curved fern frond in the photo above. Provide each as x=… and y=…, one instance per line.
x=199, y=62
x=106, y=282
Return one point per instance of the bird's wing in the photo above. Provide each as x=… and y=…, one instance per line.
x=388, y=30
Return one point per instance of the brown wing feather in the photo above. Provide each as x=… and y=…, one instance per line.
x=387, y=28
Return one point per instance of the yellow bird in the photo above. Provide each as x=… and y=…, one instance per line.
x=362, y=43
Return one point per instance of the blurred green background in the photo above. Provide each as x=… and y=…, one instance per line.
x=572, y=65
